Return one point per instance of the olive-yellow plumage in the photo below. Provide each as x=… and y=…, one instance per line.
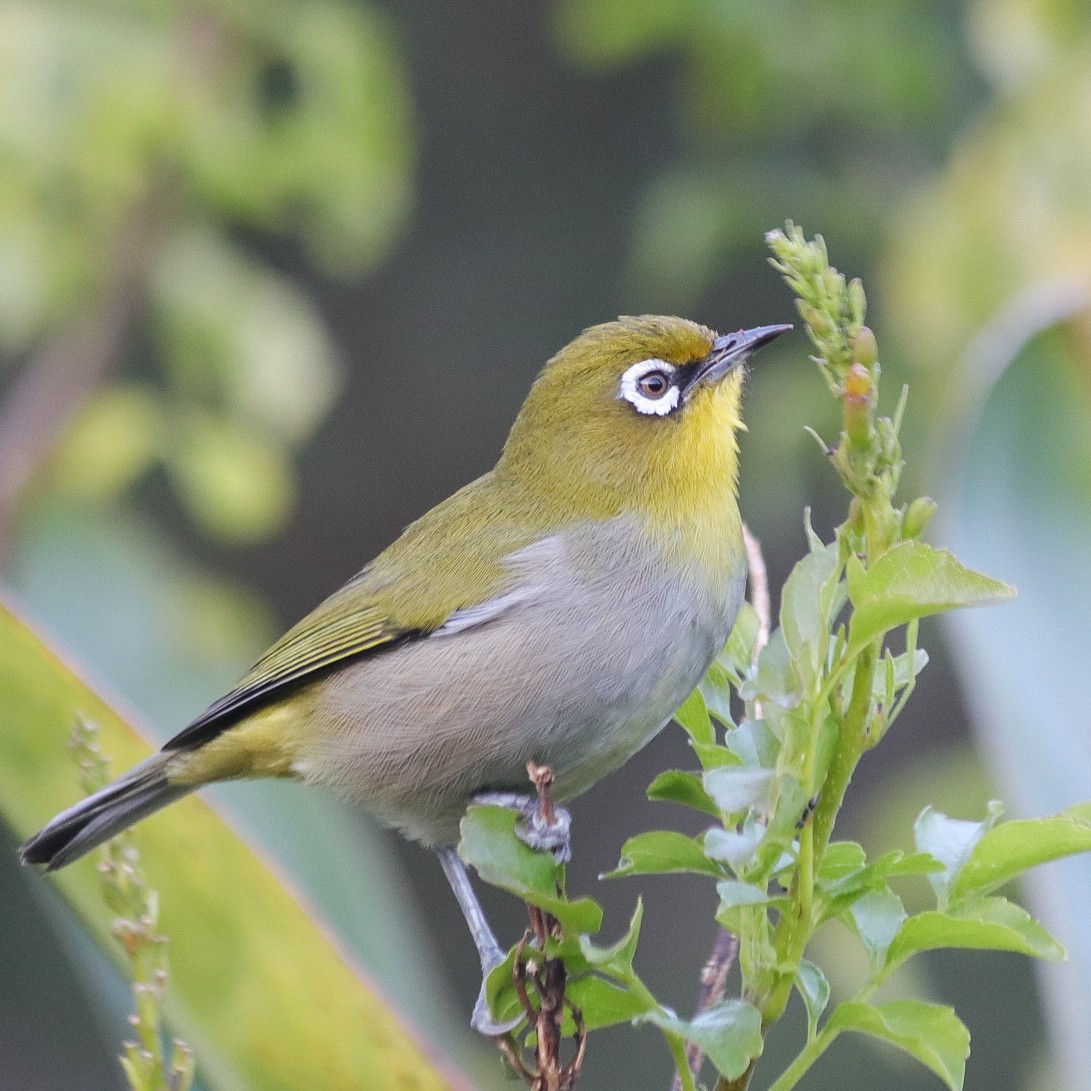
x=557, y=610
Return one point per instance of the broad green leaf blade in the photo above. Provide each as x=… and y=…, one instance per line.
x=754, y=744
x=618, y=957
x=602, y=1003
x=693, y=717
x=734, y=894
x=914, y=580
x=1013, y=847
x=735, y=789
x=735, y=848
x=811, y=984
x=490, y=846
x=729, y=1033
x=738, y=653
x=930, y=1032
x=776, y=679
x=1018, y=502
x=805, y=605
x=676, y=786
x=950, y=841
x=715, y=688
x=993, y=924
x=659, y=852
x=877, y=917
x=257, y=986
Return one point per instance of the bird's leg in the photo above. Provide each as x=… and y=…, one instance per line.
x=541, y=831
x=487, y=948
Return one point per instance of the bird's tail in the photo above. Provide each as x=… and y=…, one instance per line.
x=97, y=818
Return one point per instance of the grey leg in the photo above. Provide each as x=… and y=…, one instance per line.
x=487, y=948
x=532, y=828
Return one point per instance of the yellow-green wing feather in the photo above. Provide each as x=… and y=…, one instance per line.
x=449, y=560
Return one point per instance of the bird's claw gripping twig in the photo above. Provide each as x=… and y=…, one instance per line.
x=482, y=1019
x=542, y=825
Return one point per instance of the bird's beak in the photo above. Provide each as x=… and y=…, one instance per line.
x=732, y=349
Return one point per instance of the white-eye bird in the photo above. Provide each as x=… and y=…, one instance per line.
x=556, y=610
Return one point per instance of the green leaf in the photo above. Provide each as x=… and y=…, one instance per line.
x=602, y=1003
x=754, y=744
x=489, y=844
x=676, y=786
x=805, y=605
x=712, y=755
x=504, y=1003
x=735, y=789
x=776, y=679
x=738, y=653
x=841, y=858
x=988, y=924
x=110, y=445
x=735, y=848
x=661, y=852
x=617, y=959
x=950, y=841
x=811, y=984
x=734, y=894
x=715, y=688
x=930, y=1032
x=878, y=917
x=693, y=717
x=235, y=482
x=737, y=896
x=840, y=882
x=242, y=983
x=729, y=1033
x=899, y=665
x=914, y=580
x=1012, y=847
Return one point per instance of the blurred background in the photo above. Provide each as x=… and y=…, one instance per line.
x=275, y=276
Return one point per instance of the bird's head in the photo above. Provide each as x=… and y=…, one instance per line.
x=635, y=414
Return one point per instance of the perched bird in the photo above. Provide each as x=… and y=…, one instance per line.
x=556, y=610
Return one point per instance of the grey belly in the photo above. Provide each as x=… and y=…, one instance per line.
x=578, y=678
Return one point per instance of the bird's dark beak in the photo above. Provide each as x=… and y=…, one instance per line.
x=732, y=349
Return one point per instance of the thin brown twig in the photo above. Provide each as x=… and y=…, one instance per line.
x=718, y=967
x=759, y=588
x=545, y=1005
x=52, y=388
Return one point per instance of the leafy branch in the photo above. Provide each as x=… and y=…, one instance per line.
x=778, y=732
x=136, y=927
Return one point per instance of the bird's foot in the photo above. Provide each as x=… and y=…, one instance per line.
x=534, y=828
x=482, y=1019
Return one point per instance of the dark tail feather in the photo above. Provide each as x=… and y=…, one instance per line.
x=97, y=818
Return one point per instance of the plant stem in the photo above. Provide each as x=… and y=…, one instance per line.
x=850, y=747
x=803, y=1062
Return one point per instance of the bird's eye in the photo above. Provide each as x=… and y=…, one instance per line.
x=653, y=385
x=649, y=387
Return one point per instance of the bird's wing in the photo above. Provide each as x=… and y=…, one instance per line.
x=347, y=624
x=442, y=576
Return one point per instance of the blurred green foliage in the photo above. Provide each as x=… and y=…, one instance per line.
x=250, y=147
x=166, y=129
x=819, y=111
x=257, y=985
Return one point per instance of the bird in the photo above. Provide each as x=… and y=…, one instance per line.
x=557, y=610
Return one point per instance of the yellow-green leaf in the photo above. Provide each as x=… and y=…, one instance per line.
x=257, y=986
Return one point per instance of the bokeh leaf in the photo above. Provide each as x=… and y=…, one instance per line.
x=913, y=580
x=930, y=1032
x=489, y=845
x=256, y=985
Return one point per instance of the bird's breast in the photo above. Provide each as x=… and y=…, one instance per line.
x=601, y=635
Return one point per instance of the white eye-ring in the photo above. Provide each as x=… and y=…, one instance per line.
x=649, y=387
